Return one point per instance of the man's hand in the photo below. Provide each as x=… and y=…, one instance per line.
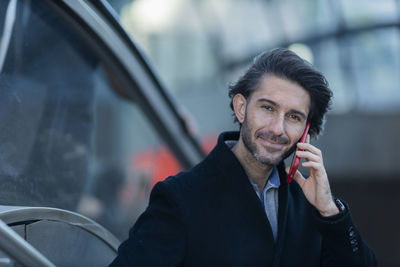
x=316, y=187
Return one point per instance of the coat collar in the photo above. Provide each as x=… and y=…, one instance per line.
x=233, y=176
x=228, y=161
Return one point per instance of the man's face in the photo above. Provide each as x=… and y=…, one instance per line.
x=275, y=118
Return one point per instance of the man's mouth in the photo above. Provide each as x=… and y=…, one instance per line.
x=271, y=145
x=273, y=139
x=271, y=142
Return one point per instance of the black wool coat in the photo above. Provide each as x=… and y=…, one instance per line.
x=211, y=216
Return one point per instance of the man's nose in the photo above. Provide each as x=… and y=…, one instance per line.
x=277, y=126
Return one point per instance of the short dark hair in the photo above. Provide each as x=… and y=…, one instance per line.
x=285, y=64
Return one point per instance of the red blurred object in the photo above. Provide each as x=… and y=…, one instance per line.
x=159, y=163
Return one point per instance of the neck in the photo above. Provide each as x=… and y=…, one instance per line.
x=257, y=172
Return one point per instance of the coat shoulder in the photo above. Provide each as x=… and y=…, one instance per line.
x=196, y=178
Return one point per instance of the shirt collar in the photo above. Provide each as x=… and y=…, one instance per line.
x=273, y=181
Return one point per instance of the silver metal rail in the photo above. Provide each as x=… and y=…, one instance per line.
x=15, y=214
x=20, y=250
x=7, y=31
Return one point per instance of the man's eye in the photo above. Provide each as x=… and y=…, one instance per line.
x=295, y=117
x=267, y=108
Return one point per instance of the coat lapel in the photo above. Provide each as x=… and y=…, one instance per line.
x=233, y=179
x=282, y=212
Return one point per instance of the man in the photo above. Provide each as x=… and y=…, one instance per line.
x=235, y=208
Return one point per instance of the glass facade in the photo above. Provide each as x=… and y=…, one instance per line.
x=199, y=47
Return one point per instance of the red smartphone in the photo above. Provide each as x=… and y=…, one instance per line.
x=296, y=160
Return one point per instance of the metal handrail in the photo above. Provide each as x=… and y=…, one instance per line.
x=17, y=214
x=20, y=250
x=7, y=31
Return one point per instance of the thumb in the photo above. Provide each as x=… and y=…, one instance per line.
x=287, y=169
x=298, y=177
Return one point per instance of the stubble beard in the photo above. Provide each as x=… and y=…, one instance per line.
x=255, y=152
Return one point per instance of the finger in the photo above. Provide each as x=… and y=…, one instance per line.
x=299, y=179
x=310, y=164
x=297, y=176
x=309, y=147
x=287, y=169
x=308, y=156
x=316, y=169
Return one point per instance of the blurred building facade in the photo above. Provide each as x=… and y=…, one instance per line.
x=199, y=47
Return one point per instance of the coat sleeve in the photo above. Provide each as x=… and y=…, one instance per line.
x=342, y=244
x=158, y=236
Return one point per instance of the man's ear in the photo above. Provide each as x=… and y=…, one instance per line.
x=239, y=106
